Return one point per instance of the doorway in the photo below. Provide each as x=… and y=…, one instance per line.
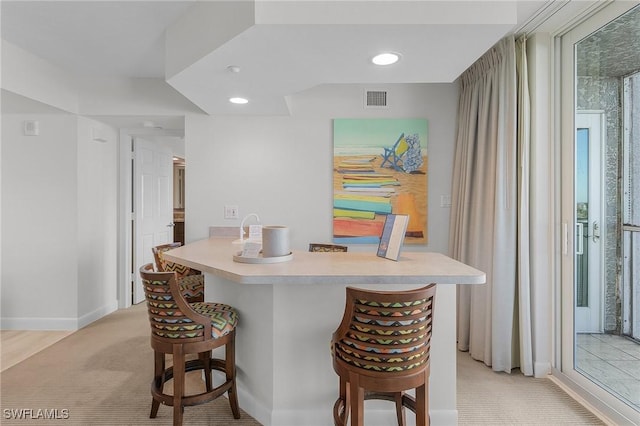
x=137, y=201
x=179, y=182
x=589, y=212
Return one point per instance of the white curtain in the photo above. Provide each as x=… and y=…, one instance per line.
x=489, y=212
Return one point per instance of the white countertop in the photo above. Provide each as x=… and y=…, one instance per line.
x=215, y=256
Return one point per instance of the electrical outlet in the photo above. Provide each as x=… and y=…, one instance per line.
x=231, y=212
x=445, y=201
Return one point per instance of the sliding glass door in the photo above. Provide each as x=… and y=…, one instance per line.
x=600, y=179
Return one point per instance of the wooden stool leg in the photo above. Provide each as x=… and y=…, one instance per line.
x=155, y=405
x=341, y=406
x=230, y=370
x=402, y=419
x=178, y=383
x=357, y=401
x=347, y=401
x=205, y=358
x=346, y=398
x=158, y=381
x=422, y=405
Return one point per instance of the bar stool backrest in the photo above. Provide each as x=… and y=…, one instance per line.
x=386, y=332
x=170, y=316
x=317, y=247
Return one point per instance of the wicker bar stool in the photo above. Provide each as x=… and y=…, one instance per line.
x=180, y=328
x=191, y=280
x=381, y=349
x=318, y=247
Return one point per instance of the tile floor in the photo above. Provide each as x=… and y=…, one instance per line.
x=613, y=362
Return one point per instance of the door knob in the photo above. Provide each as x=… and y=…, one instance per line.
x=171, y=225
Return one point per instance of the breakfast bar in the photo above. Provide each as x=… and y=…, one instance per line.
x=288, y=311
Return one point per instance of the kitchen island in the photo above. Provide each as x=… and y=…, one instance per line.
x=289, y=310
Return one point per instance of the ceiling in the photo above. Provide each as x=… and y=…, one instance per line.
x=613, y=50
x=280, y=47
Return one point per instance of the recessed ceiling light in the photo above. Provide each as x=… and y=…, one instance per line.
x=238, y=100
x=386, y=58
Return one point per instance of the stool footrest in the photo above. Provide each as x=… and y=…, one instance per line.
x=201, y=398
x=407, y=400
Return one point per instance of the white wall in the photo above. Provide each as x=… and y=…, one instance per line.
x=60, y=189
x=97, y=220
x=39, y=232
x=281, y=167
x=59, y=234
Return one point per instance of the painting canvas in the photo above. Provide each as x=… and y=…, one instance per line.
x=379, y=167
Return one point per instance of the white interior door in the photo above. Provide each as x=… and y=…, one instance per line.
x=589, y=213
x=153, y=195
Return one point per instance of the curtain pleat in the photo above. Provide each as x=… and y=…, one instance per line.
x=524, y=224
x=489, y=209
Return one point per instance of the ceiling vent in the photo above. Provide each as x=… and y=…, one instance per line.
x=375, y=99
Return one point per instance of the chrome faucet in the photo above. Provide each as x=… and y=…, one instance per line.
x=242, y=224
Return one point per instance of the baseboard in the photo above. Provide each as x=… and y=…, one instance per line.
x=444, y=417
x=373, y=417
x=102, y=311
x=247, y=402
x=307, y=418
x=59, y=324
x=541, y=369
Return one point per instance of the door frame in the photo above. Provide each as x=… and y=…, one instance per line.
x=595, y=118
x=630, y=295
x=125, y=220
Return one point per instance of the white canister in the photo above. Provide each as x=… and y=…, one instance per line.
x=275, y=241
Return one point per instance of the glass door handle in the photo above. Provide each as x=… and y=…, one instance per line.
x=595, y=231
x=580, y=245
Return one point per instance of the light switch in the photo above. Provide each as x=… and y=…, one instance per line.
x=31, y=128
x=230, y=212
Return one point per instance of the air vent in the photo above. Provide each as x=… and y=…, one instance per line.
x=375, y=99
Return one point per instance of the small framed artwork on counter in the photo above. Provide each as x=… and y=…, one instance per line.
x=393, y=232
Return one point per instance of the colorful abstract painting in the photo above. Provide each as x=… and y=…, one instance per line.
x=379, y=167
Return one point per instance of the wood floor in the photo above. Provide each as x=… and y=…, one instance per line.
x=17, y=345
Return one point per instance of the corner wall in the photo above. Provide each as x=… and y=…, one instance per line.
x=59, y=223
x=97, y=220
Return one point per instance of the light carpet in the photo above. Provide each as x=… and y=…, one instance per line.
x=102, y=373
x=486, y=397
